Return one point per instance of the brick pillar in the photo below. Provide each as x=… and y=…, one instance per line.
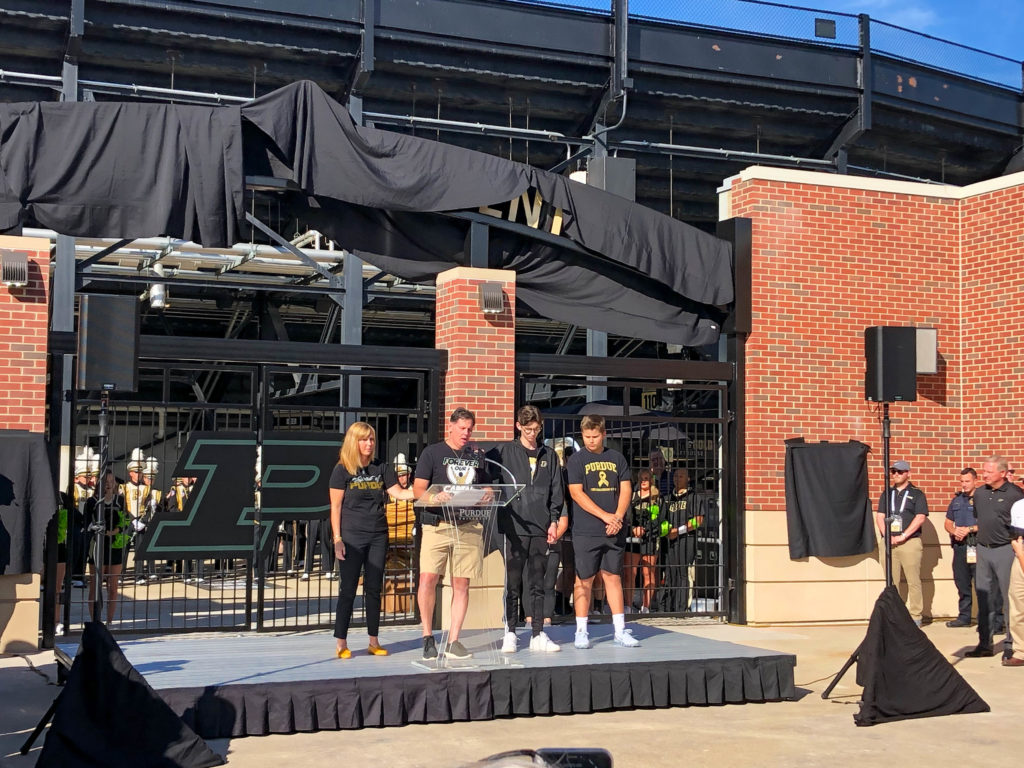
x=481, y=377
x=23, y=336
x=481, y=349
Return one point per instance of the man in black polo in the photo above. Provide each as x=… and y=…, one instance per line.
x=962, y=526
x=909, y=509
x=992, y=504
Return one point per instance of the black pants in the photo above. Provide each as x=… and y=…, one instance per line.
x=963, y=577
x=365, y=554
x=319, y=531
x=522, y=552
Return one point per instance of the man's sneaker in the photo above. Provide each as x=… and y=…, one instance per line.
x=625, y=639
x=429, y=648
x=59, y=629
x=644, y=609
x=544, y=644
x=511, y=643
x=582, y=640
x=140, y=581
x=457, y=650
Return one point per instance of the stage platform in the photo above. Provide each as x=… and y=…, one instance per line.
x=256, y=684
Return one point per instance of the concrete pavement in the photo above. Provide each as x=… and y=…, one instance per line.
x=807, y=732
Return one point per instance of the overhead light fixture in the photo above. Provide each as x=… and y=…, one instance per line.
x=14, y=268
x=491, y=297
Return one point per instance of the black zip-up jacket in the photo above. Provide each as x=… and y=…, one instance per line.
x=541, y=502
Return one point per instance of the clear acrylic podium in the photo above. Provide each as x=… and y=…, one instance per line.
x=459, y=506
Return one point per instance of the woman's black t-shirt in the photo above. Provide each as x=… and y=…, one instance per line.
x=362, y=508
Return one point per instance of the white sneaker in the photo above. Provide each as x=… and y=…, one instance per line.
x=510, y=644
x=140, y=581
x=625, y=639
x=304, y=577
x=544, y=643
x=59, y=629
x=582, y=640
x=644, y=609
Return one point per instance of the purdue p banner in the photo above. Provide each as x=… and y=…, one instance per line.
x=218, y=517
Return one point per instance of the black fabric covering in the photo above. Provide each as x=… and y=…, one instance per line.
x=257, y=710
x=27, y=501
x=106, y=169
x=107, y=715
x=903, y=674
x=828, y=512
x=139, y=170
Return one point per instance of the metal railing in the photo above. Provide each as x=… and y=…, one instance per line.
x=809, y=25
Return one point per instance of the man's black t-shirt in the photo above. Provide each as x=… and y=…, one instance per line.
x=600, y=474
x=440, y=464
x=362, y=508
x=992, y=506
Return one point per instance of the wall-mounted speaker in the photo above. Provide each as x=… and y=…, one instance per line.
x=108, y=343
x=891, y=364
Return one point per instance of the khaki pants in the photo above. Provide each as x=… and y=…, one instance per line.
x=1015, y=620
x=906, y=560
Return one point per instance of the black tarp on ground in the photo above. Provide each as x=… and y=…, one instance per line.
x=140, y=170
x=904, y=676
x=27, y=501
x=828, y=512
x=107, y=715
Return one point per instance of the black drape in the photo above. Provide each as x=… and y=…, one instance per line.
x=903, y=674
x=27, y=501
x=828, y=512
x=138, y=170
x=107, y=715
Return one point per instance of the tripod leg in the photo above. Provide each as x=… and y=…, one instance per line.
x=839, y=676
x=40, y=725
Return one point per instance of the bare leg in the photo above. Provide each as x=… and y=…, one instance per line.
x=113, y=576
x=581, y=596
x=460, y=604
x=632, y=559
x=426, y=596
x=613, y=591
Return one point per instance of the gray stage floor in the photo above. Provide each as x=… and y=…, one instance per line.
x=223, y=659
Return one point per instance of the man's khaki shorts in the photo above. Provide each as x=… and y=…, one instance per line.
x=463, y=544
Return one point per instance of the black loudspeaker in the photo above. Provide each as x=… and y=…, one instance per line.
x=108, y=343
x=891, y=371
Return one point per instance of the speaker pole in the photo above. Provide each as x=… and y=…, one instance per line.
x=98, y=527
x=887, y=536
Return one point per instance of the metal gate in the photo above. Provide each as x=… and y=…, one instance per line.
x=679, y=426
x=290, y=584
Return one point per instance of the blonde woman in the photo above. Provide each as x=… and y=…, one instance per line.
x=360, y=531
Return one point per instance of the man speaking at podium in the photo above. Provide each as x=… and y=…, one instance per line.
x=451, y=462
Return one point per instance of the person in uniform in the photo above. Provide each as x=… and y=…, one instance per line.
x=136, y=493
x=962, y=526
x=87, y=472
x=399, y=568
x=360, y=531
x=600, y=489
x=687, y=511
x=453, y=461
x=909, y=508
x=174, y=502
x=114, y=538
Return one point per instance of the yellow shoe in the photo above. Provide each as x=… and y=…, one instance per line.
x=345, y=653
x=376, y=650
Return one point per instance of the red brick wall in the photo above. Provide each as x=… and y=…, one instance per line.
x=23, y=340
x=993, y=329
x=481, y=350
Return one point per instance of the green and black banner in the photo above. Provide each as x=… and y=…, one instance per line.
x=218, y=516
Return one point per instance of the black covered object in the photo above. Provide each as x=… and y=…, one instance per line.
x=107, y=715
x=139, y=170
x=903, y=675
x=27, y=501
x=828, y=512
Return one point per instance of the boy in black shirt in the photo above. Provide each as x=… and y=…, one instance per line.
x=601, y=490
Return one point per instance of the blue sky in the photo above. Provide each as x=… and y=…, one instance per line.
x=996, y=26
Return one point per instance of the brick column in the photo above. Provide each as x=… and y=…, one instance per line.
x=481, y=377
x=481, y=349
x=23, y=336
x=23, y=343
